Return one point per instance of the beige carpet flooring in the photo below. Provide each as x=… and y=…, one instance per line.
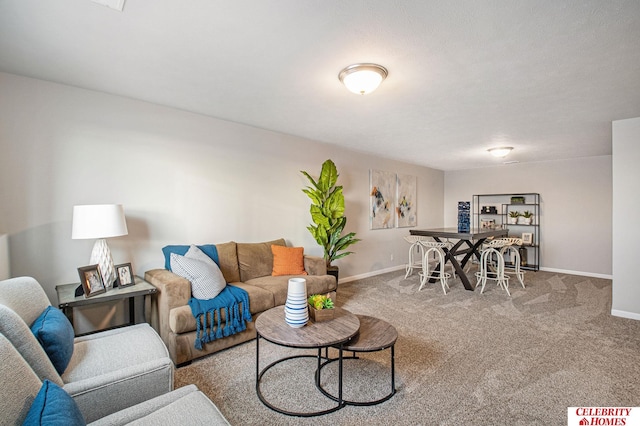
x=463, y=358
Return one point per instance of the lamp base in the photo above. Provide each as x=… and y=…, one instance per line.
x=101, y=255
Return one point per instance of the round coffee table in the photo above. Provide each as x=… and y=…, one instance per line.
x=271, y=326
x=374, y=335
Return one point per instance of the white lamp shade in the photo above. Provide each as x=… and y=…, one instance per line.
x=98, y=221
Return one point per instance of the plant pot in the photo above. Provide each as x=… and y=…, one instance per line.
x=333, y=270
x=513, y=220
x=318, y=315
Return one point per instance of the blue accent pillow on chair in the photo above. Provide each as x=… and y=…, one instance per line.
x=53, y=407
x=55, y=333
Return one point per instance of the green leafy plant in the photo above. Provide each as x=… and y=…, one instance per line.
x=320, y=301
x=527, y=214
x=514, y=214
x=327, y=213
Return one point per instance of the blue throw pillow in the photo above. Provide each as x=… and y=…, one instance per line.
x=53, y=407
x=209, y=249
x=55, y=334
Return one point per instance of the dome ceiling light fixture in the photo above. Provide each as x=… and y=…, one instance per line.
x=362, y=79
x=500, y=152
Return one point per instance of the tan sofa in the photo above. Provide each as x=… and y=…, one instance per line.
x=246, y=265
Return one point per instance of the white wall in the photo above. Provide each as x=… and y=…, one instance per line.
x=575, y=222
x=626, y=205
x=182, y=178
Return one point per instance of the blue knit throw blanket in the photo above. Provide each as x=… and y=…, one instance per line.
x=229, y=299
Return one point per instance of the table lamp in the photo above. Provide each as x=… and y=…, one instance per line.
x=100, y=222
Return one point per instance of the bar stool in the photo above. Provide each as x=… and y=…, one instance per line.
x=426, y=274
x=492, y=266
x=511, y=250
x=414, y=240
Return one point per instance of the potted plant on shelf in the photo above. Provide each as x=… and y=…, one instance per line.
x=320, y=307
x=527, y=217
x=513, y=217
x=327, y=213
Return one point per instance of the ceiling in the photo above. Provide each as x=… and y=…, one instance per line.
x=544, y=76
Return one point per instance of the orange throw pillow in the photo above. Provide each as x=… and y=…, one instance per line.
x=288, y=260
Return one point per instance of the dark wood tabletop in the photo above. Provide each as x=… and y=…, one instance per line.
x=271, y=326
x=473, y=234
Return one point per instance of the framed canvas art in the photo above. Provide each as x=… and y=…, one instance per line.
x=382, y=193
x=406, y=212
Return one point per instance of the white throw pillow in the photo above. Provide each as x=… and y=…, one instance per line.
x=202, y=272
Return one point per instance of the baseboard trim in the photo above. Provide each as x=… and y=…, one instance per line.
x=625, y=314
x=584, y=274
x=399, y=267
x=371, y=274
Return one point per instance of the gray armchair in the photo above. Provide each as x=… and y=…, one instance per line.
x=19, y=386
x=108, y=371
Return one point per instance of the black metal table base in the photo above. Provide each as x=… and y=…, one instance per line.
x=358, y=403
x=259, y=374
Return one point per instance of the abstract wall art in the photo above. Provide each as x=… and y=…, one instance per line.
x=382, y=192
x=406, y=211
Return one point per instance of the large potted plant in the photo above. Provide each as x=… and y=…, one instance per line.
x=327, y=214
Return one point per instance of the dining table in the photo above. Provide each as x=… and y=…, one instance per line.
x=467, y=244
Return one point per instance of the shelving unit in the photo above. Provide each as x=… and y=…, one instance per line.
x=492, y=211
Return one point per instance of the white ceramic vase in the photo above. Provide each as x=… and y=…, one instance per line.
x=296, y=313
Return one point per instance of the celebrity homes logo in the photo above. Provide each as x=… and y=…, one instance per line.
x=603, y=416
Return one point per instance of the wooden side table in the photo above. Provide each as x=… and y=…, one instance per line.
x=67, y=300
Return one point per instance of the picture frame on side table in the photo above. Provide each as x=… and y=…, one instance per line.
x=124, y=275
x=527, y=238
x=91, y=280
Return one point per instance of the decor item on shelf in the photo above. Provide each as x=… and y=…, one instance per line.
x=320, y=307
x=327, y=213
x=517, y=200
x=523, y=255
x=296, y=313
x=513, y=217
x=100, y=222
x=527, y=238
x=464, y=216
x=488, y=224
x=527, y=217
x=363, y=78
x=489, y=210
x=501, y=151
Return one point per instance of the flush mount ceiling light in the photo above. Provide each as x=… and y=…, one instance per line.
x=363, y=78
x=500, y=152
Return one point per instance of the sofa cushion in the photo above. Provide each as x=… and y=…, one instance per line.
x=279, y=286
x=55, y=333
x=228, y=261
x=256, y=259
x=203, y=273
x=287, y=260
x=181, y=319
x=53, y=406
x=208, y=249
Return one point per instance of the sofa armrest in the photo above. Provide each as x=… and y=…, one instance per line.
x=173, y=291
x=315, y=265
